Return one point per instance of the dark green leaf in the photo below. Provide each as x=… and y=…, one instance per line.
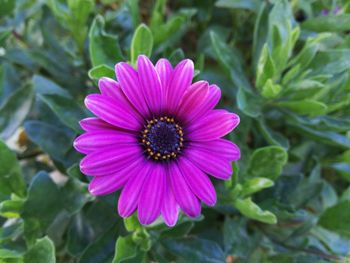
x=331, y=23
x=193, y=250
x=43, y=251
x=14, y=111
x=11, y=179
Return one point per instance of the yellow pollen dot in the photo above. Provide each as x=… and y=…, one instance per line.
x=145, y=131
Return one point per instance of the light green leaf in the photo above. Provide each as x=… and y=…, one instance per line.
x=125, y=249
x=11, y=208
x=267, y=162
x=251, y=210
x=103, y=47
x=142, y=43
x=270, y=90
x=101, y=71
x=265, y=68
x=305, y=107
x=256, y=184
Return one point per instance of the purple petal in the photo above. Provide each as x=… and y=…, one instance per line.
x=165, y=71
x=95, y=124
x=152, y=195
x=113, y=112
x=109, y=87
x=214, y=125
x=129, y=197
x=103, y=185
x=170, y=209
x=181, y=79
x=129, y=81
x=188, y=202
x=210, y=163
x=96, y=140
x=109, y=160
x=198, y=182
x=194, y=96
x=151, y=86
x=221, y=148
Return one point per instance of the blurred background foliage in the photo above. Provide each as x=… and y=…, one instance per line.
x=283, y=66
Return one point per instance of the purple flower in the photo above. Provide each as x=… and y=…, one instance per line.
x=158, y=137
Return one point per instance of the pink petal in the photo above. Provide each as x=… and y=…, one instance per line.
x=181, y=79
x=95, y=140
x=113, y=112
x=198, y=182
x=109, y=160
x=170, y=209
x=164, y=70
x=214, y=125
x=95, y=124
x=221, y=148
x=103, y=185
x=152, y=195
x=129, y=197
x=183, y=194
x=151, y=86
x=129, y=81
x=210, y=163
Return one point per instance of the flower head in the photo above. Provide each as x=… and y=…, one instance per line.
x=158, y=137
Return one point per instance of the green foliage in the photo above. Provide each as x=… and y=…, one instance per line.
x=283, y=66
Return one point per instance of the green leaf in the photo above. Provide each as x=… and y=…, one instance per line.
x=328, y=137
x=125, y=249
x=330, y=23
x=132, y=223
x=193, y=250
x=43, y=251
x=15, y=110
x=267, y=162
x=103, y=47
x=11, y=208
x=256, y=184
x=102, y=250
x=101, y=71
x=252, y=5
x=249, y=103
x=42, y=188
x=270, y=90
x=44, y=86
x=251, y=210
x=7, y=6
x=10, y=254
x=54, y=140
x=230, y=61
x=271, y=136
x=11, y=179
x=305, y=107
x=142, y=43
x=336, y=218
x=265, y=68
x=67, y=110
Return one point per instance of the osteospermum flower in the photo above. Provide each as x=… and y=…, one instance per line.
x=158, y=137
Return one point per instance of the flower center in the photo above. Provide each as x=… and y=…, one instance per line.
x=162, y=138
